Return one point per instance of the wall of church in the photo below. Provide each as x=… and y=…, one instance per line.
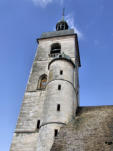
x=66, y=68
x=26, y=135
x=64, y=97
x=24, y=142
x=39, y=68
x=90, y=130
x=67, y=46
x=31, y=111
x=46, y=136
x=60, y=92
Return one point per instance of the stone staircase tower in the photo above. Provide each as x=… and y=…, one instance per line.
x=52, y=94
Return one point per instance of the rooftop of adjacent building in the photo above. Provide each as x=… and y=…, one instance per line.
x=91, y=129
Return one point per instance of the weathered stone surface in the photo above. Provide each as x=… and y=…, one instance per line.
x=31, y=111
x=24, y=142
x=90, y=130
x=41, y=104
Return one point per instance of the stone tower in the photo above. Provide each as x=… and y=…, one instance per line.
x=52, y=94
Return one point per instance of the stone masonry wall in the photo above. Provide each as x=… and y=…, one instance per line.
x=26, y=134
x=90, y=130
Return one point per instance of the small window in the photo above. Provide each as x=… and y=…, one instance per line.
x=61, y=72
x=42, y=82
x=38, y=124
x=58, y=107
x=55, y=132
x=59, y=87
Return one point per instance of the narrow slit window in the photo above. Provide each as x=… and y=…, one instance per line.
x=55, y=132
x=58, y=107
x=38, y=124
x=59, y=87
x=61, y=72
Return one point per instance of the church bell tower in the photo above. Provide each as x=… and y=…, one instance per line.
x=52, y=94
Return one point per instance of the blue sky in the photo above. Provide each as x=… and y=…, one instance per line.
x=22, y=21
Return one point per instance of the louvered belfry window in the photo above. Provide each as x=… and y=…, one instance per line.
x=55, y=50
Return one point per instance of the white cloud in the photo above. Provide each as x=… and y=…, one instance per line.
x=44, y=3
x=70, y=20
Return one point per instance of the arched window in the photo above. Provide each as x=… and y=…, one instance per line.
x=42, y=81
x=55, y=50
